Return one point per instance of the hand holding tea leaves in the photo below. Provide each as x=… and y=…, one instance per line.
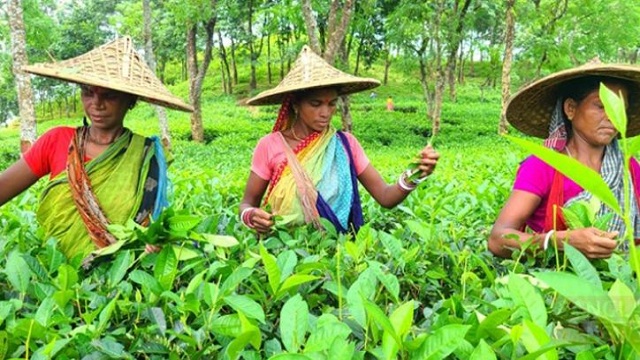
x=423, y=164
x=588, y=231
x=170, y=229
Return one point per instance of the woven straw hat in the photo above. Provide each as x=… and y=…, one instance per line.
x=311, y=71
x=530, y=109
x=117, y=66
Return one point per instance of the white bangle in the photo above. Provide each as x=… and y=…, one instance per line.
x=417, y=181
x=247, y=222
x=403, y=183
x=547, y=237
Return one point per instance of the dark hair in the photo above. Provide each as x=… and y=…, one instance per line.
x=579, y=88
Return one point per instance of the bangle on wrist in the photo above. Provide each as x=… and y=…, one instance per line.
x=245, y=217
x=415, y=181
x=547, y=237
x=404, y=184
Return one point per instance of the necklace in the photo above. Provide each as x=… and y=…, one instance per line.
x=293, y=133
x=569, y=152
x=102, y=143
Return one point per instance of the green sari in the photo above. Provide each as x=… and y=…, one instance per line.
x=117, y=176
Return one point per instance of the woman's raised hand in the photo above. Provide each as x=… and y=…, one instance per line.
x=428, y=161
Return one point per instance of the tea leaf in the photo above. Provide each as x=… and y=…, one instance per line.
x=623, y=299
x=157, y=317
x=224, y=241
x=147, y=281
x=272, y=269
x=227, y=325
x=294, y=322
x=582, y=175
x=245, y=305
x=582, y=266
x=17, y=271
x=582, y=293
x=106, y=313
x=535, y=337
x=166, y=267
x=232, y=282
x=525, y=296
x=602, y=221
x=380, y=318
x=44, y=312
x=47, y=351
x=614, y=107
x=402, y=318
x=577, y=215
x=328, y=329
x=483, y=352
x=295, y=280
x=442, y=342
x=118, y=270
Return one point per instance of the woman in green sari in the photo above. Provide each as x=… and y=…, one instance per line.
x=100, y=173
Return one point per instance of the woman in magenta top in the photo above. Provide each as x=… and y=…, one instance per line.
x=565, y=108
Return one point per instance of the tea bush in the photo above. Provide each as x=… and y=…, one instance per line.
x=417, y=282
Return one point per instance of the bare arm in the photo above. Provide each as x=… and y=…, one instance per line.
x=521, y=205
x=253, y=194
x=14, y=180
x=391, y=195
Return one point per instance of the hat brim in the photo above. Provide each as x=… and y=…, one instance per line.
x=343, y=87
x=531, y=108
x=71, y=74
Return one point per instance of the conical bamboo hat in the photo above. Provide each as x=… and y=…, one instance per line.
x=530, y=109
x=311, y=71
x=117, y=66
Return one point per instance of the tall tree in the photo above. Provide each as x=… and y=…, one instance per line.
x=23, y=81
x=510, y=25
x=455, y=34
x=197, y=15
x=337, y=22
x=151, y=61
x=423, y=38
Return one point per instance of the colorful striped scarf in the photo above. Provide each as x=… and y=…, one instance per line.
x=321, y=184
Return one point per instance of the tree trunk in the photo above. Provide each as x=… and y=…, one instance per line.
x=226, y=78
x=197, y=73
x=252, y=52
x=151, y=61
x=387, y=65
x=345, y=109
x=311, y=25
x=22, y=79
x=503, y=126
x=454, y=44
x=440, y=71
x=461, y=66
x=269, y=59
x=337, y=30
x=359, y=51
x=233, y=62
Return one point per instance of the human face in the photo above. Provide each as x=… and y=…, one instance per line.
x=589, y=120
x=105, y=107
x=316, y=108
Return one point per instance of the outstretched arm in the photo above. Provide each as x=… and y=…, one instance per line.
x=391, y=195
x=14, y=180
